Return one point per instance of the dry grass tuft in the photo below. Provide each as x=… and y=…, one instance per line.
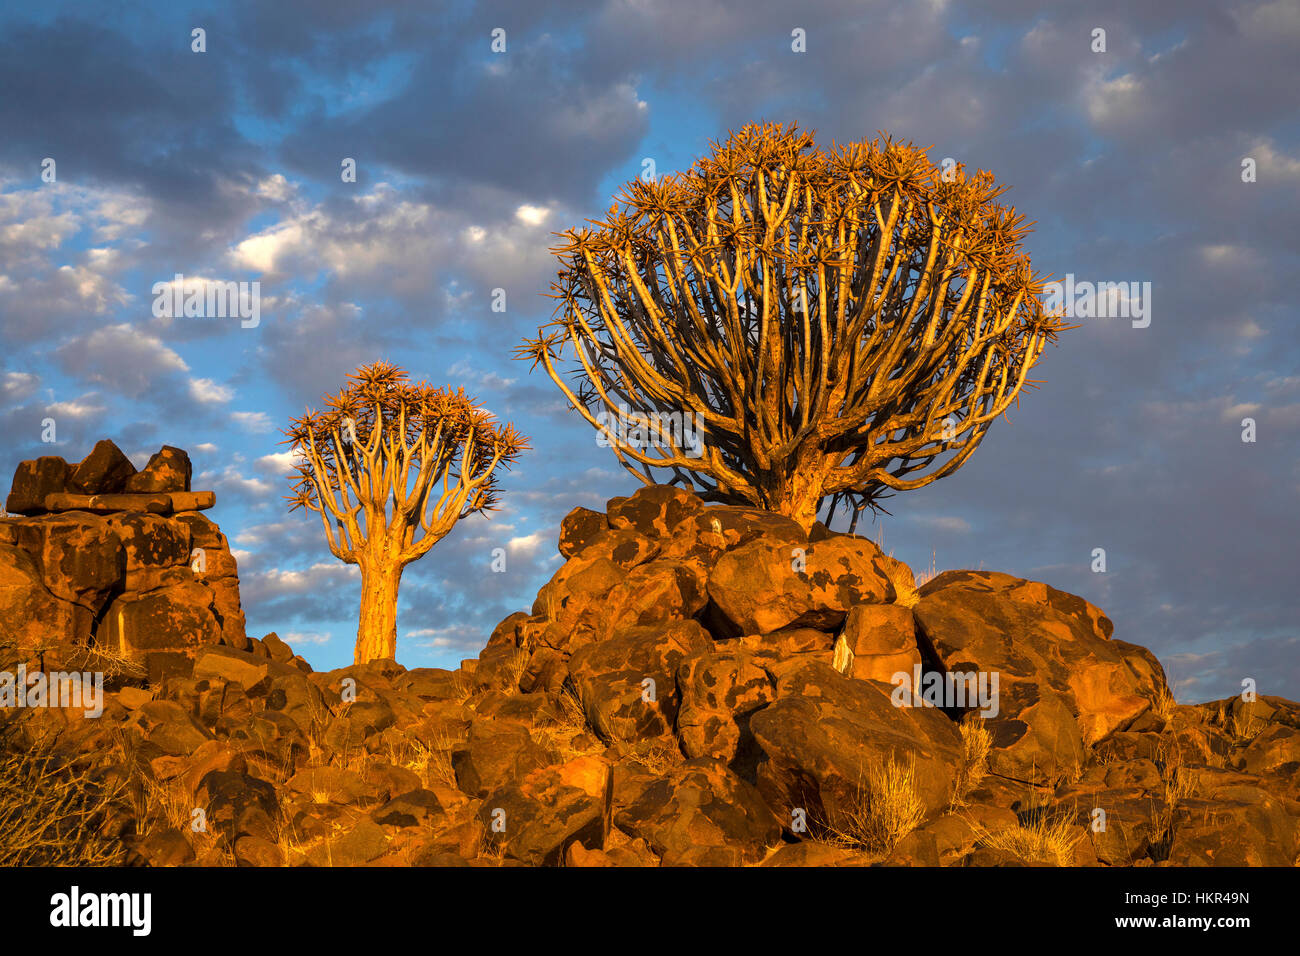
x=657, y=758
x=1045, y=838
x=976, y=742
x=885, y=808
x=431, y=762
x=1244, y=724
x=1164, y=706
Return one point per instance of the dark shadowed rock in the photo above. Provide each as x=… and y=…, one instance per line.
x=105, y=471
x=414, y=808
x=701, y=814
x=494, y=753
x=238, y=804
x=33, y=481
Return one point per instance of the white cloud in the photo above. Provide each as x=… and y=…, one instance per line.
x=277, y=188
x=18, y=386
x=208, y=392
x=123, y=357
x=301, y=637
x=281, y=463
x=252, y=421
x=78, y=408
x=527, y=544
x=1109, y=101
x=532, y=215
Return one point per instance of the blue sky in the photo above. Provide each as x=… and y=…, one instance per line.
x=225, y=165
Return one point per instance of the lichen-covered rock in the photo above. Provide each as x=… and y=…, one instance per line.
x=628, y=683
x=168, y=470
x=701, y=814
x=764, y=586
x=538, y=818
x=1062, y=684
x=29, y=614
x=104, y=535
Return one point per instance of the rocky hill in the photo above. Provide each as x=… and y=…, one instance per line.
x=696, y=685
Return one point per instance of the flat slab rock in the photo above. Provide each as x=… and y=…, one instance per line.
x=158, y=504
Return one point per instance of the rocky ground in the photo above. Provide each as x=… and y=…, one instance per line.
x=696, y=685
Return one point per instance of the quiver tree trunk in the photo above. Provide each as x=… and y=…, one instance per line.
x=377, y=624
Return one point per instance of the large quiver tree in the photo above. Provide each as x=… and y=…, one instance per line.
x=841, y=324
x=390, y=467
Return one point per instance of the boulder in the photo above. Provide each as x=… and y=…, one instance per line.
x=657, y=593
x=719, y=693
x=578, y=528
x=821, y=738
x=332, y=785
x=707, y=534
x=701, y=814
x=878, y=641
x=765, y=586
x=105, y=471
x=494, y=754
x=168, y=470
x=34, y=481
x=157, y=550
x=107, y=504
x=628, y=682
x=653, y=511
x=1063, y=685
x=80, y=556
x=537, y=819
x=30, y=616
x=415, y=808
x=238, y=804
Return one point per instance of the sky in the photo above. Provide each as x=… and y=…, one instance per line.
x=225, y=165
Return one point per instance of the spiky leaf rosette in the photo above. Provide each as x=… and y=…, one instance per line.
x=387, y=453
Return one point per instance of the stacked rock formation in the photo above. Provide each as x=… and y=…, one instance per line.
x=96, y=554
x=705, y=685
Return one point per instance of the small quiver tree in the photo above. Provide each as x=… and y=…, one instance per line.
x=390, y=467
